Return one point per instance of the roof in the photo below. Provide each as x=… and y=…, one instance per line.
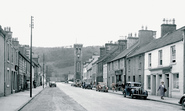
x=108, y=54
x=174, y=37
x=125, y=52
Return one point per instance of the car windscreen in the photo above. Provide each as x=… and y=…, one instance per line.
x=136, y=85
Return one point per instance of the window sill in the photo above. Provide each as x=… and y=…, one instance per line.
x=8, y=61
x=175, y=90
x=173, y=63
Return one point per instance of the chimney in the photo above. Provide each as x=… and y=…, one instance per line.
x=8, y=31
x=102, y=51
x=15, y=42
x=146, y=36
x=131, y=41
x=168, y=27
x=109, y=46
x=122, y=44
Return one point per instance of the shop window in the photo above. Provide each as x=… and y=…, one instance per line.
x=148, y=82
x=175, y=81
x=173, y=54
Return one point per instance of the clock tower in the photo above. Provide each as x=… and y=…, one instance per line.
x=78, y=61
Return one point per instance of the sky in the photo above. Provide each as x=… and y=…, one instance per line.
x=60, y=23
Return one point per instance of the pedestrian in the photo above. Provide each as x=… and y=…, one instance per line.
x=123, y=86
x=162, y=89
x=113, y=86
x=116, y=86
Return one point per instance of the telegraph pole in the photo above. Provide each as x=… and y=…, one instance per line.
x=43, y=70
x=32, y=25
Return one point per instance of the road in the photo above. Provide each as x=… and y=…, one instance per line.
x=68, y=98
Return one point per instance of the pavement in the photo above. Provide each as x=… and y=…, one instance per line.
x=167, y=100
x=17, y=101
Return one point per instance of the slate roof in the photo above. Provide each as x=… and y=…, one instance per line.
x=168, y=39
x=108, y=54
x=125, y=52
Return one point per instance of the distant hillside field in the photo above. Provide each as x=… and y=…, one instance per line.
x=61, y=60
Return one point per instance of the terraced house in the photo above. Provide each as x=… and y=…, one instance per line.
x=107, y=53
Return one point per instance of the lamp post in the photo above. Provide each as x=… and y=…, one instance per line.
x=32, y=25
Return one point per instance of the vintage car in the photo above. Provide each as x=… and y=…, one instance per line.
x=52, y=83
x=102, y=87
x=182, y=102
x=78, y=83
x=134, y=89
x=87, y=85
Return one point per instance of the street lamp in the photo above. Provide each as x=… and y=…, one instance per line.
x=31, y=25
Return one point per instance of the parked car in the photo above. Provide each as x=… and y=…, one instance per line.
x=134, y=89
x=182, y=102
x=78, y=83
x=87, y=85
x=102, y=87
x=52, y=83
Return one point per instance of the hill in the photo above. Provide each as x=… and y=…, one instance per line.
x=60, y=60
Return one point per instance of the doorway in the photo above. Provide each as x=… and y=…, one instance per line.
x=154, y=85
x=167, y=85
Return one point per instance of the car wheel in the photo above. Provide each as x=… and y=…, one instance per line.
x=124, y=94
x=99, y=90
x=145, y=98
x=131, y=95
x=183, y=104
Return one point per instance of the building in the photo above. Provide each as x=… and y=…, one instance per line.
x=78, y=61
x=88, y=72
x=164, y=61
x=2, y=59
x=107, y=53
x=135, y=61
x=116, y=71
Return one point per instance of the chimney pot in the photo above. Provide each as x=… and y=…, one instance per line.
x=167, y=21
x=173, y=21
x=146, y=28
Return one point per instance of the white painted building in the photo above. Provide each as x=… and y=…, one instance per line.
x=164, y=62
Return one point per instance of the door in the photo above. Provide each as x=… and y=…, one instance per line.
x=167, y=85
x=154, y=85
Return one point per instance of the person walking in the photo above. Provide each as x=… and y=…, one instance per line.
x=123, y=86
x=162, y=89
x=113, y=86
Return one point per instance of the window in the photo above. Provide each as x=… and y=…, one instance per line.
x=112, y=79
x=112, y=65
x=129, y=64
x=12, y=55
x=118, y=64
x=173, y=54
x=148, y=82
x=160, y=57
x=175, y=81
x=139, y=78
x=149, y=60
x=128, y=78
x=133, y=78
x=139, y=62
x=8, y=52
